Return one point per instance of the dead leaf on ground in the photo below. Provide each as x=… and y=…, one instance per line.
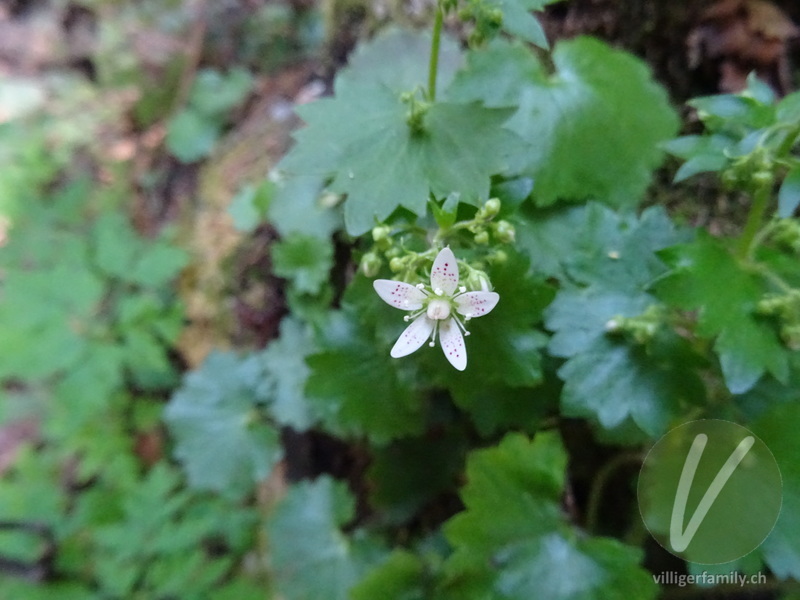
x=741, y=36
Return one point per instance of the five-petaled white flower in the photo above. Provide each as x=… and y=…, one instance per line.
x=434, y=309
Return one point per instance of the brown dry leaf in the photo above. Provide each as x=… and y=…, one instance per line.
x=742, y=36
x=770, y=22
x=149, y=446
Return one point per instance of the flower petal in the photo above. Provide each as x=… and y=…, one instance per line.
x=444, y=274
x=476, y=304
x=453, y=344
x=398, y=294
x=413, y=337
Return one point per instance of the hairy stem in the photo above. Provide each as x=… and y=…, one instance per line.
x=433, y=66
x=754, y=219
x=601, y=482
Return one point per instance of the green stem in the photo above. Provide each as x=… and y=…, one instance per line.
x=788, y=142
x=771, y=276
x=433, y=66
x=763, y=234
x=599, y=485
x=754, y=220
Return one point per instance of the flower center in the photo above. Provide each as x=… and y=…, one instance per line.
x=438, y=309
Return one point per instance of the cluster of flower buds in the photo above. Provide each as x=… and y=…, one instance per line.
x=484, y=229
x=751, y=171
x=786, y=233
x=488, y=18
x=482, y=226
x=642, y=328
x=786, y=309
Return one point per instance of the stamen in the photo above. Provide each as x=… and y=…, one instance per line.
x=462, y=289
x=461, y=325
x=413, y=315
x=432, y=343
x=438, y=291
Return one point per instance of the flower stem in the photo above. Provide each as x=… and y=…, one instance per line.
x=433, y=66
x=601, y=481
x=754, y=219
x=788, y=142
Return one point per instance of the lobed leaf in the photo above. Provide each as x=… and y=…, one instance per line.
x=220, y=436
x=593, y=126
x=306, y=537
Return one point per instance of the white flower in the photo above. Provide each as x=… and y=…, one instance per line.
x=436, y=309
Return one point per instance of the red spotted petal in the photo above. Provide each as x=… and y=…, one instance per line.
x=413, y=337
x=398, y=294
x=444, y=274
x=453, y=344
x=476, y=304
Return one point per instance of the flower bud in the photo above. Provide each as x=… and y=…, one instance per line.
x=791, y=336
x=495, y=16
x=370, y=264
x=787, y=234
x=490, y=209
x=397, y=264
x=769, y=305
x=762, y=178
x=505, y=232
x=381, y=232
x=730, y=178
x=482, y=237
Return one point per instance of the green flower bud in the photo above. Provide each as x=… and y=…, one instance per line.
x=730, y=178
x=505, y=232
x=490, y=209
x=495, y=17
x=641, y=329
x=370, y=264
x=477, y=279
x=381, y=232
x=791, y=336
x=787, y=234
x=769, y=305
x=397, y=264
x=476, y=38
x=498, y=257
x=763, y=178
x=482, y=237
